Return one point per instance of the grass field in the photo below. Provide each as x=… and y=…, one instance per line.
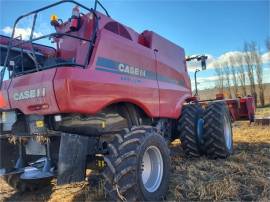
x=244, y=176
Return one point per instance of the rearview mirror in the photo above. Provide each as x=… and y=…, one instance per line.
x=203, y=62
x=201, y=58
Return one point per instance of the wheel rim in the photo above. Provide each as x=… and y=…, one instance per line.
x=152, y=169
x=199, y=133
x=227, y=133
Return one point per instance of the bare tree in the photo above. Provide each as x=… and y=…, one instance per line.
x=267, y=43
x=256, y=55
x=226, y=70
x=249, y=61
x=220, y=75
x=234, y=75
x=241, y=73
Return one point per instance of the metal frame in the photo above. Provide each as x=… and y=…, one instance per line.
x=35, y=13
x=196, y=83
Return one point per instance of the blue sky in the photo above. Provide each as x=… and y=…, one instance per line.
x=210, y=27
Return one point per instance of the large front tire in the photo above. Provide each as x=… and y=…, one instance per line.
x=138, y=166
x=218, y=131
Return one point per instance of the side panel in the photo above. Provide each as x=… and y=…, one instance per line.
x=120, y=71
x=33, y=93
x=173, y=79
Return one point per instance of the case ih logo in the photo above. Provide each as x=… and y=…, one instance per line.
x=116, y=67
x=29, y=94
x=132, y=70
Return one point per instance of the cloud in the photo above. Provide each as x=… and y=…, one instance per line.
x=204, y=82
x=266, y=57
x=23, y=32
x=212, y=61
x=209, y=78
x=210, y=81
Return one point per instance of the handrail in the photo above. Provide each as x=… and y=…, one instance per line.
x=55, y=34
x=97, y=2
x=52, y=5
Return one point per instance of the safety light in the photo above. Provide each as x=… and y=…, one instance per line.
x=54, y=20
x=2, y=100
x=54, y=17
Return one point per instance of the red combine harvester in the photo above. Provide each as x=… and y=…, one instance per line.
x=241, y=108
x=103, y=97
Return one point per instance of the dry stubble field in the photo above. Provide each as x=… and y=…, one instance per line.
x=244, y=176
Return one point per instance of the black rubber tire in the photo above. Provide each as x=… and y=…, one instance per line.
x=215, y=117
x=123, y=171
x=187, y=129
x=130, y=113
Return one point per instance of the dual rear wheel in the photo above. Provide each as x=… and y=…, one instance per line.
x=207, y=131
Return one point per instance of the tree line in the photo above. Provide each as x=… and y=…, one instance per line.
x=240, y=73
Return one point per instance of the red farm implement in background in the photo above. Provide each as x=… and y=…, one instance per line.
x=240, y=108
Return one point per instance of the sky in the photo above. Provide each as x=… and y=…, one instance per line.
x=214, y=27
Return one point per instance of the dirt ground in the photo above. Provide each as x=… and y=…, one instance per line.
x=245, y=176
